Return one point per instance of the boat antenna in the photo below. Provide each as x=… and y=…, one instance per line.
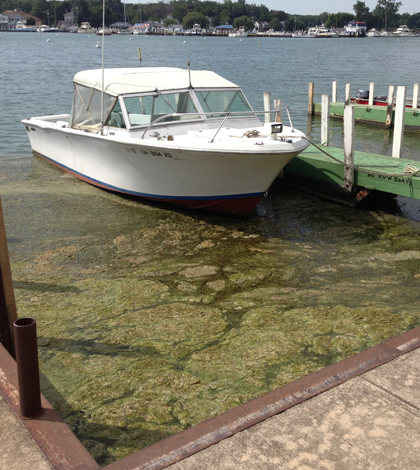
x=189, y=72
x=103, y=65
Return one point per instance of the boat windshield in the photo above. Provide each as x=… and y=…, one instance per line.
x=87, y=104
x=143, y=110
x=223, y=101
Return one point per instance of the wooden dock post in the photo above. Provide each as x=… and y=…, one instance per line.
x=390, y=106
x=325, y=120
x=8, y=313
x=276, y=106
x=311, y=98
x=416, y=96
x=347, y=97
x=371, y=93
x=399, y=122
x=267, y=106
x=334, y=92
x=348, y=125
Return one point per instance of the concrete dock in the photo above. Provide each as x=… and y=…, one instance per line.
x=361, y=413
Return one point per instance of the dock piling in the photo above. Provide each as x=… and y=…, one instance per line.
x=311, y=98
x=348, y=126
x=399, y=122
x=390, y=106
x=278, y=115
x=347, y=97
x=325, y=120
x=371, y=93
x=267, y=106
x=416, y=96
x=334, y=92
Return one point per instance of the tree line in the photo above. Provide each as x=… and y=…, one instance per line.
x=211, y=13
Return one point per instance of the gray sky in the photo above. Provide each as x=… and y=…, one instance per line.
x=315, y=7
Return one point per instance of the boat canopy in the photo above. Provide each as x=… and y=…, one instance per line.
x=87, y=102
x=143, y=80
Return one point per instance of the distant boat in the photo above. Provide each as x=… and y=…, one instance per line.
x=46, y=29
x=106, y=32
x=86, y=28
x=362, y=97
x=356, y=29
x=403, y=32
x=373, y=33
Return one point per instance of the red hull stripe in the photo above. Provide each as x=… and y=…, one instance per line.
x=240, y=204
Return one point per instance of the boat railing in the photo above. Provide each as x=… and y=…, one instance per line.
x=225, y=115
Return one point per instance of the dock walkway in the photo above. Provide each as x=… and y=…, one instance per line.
x=381, y=173
x=361, y=413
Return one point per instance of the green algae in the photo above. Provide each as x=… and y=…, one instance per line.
x=152, y=320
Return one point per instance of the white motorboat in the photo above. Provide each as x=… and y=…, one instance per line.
x=240, y=33
x=323, y=32
x=312, y=32
x=47, y=29
x=356, y=29
x=403, y=32
x=184, y=137
x=86, y=28
x=373, y=33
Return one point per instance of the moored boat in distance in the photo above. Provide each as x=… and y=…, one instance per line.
x=104, y=32
x=403, y=32
x=178, y=136
x=86, y=28
x=373, y=33
x=356, y=29
x=362, y=97
x=323, y=32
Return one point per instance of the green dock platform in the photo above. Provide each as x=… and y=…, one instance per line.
x=373, y=114
x=376, y=173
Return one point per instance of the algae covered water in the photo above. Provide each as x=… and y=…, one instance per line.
x=152, y=319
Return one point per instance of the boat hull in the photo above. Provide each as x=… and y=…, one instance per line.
x=224, y=181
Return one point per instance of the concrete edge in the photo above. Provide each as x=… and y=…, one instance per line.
x=52, y=435
x=65, y=452
x=203, y=435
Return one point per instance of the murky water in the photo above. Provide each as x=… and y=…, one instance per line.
x=152, y=319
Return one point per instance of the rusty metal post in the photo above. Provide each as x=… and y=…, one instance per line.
x=7, y=296
x=27, y=367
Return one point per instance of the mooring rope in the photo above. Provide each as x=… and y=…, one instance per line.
x=409, y=170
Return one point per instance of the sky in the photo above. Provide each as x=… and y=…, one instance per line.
x=315, y=7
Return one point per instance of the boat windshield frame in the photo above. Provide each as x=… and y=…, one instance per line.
x=199, y=115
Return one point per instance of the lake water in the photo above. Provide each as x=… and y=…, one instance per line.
x=152, y=319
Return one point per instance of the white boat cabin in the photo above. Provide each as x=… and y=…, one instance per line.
x=135, y=98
